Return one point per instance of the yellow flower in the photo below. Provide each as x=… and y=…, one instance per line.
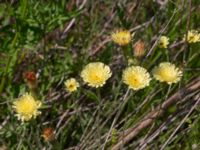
x=121, y=37
x=96, y=74
x=136, y=77
x=163, y=42
x=167, y=72
x=192, y=36
x=71, y=85
x=26, y=107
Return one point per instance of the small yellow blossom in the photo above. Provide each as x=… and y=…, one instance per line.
x=136, y=77
x=192, y=36
x=96, y=74
x=121, y=37
x=71, y=85
x=26, y=107
x=163, y=42
x=167, y=72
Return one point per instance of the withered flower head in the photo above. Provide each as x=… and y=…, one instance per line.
x=139, y=49
x=31, y=79
x=48, y=134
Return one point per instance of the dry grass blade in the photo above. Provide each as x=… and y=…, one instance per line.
x=159, y=110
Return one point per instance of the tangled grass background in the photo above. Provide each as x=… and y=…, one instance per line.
x=46, y=45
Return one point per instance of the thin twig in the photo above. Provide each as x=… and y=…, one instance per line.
x=182, y=122
x=172, y=118
x=151, y=116
x=72, y=21
x=161, y=32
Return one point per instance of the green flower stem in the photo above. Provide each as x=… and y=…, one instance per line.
x=153, y=61
x=98, y=115
x=168, y=91
x=34, y=93
x=119, y=109
x=8, y=64
x=167, y=54
x=127, y=52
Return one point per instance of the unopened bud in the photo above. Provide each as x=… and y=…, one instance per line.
x=139, y=47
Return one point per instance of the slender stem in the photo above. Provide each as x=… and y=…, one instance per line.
x=125, y=100
x=8, y=64
x=98, y=115
x=126, y=53
x=168, y=91
x=167, y=54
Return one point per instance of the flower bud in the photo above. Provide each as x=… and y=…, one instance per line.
x=139, y=47
x=31, y=79
x=48, y=134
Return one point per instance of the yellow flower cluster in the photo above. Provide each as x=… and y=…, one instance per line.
x=26, y=107
x=192, y=36
x=137, y=77
x=95, y=74
x=123, y=37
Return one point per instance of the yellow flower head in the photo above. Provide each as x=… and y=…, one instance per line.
x=26, y=107
x=192, y=36
x=71, y=85
x=96, y=74
x=136, y=77
x=167, y=72
x=121, y=37
x=163, y=42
